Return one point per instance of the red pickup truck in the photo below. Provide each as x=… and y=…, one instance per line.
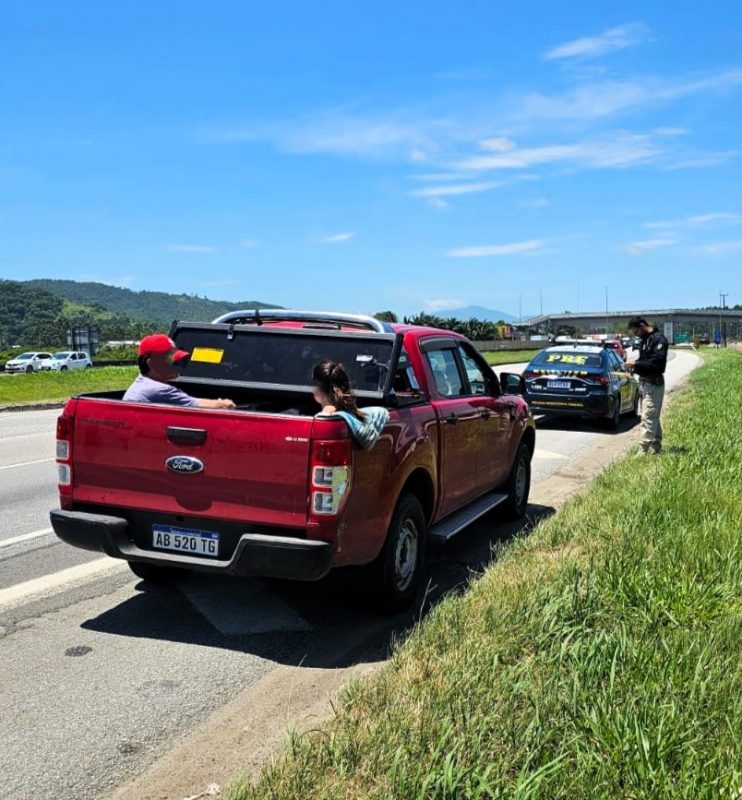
x=272, y=490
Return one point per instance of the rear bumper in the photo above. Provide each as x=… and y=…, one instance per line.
x=256, y=554
x=600, y=406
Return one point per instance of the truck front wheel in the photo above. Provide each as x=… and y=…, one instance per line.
x=154, y=573
x=397, y=571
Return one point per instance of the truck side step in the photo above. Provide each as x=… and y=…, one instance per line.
x=447, y=528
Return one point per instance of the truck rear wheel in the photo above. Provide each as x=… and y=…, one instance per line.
x=154, y=573
x=518, y=485
x=395, y=575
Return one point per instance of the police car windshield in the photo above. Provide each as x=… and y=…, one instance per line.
x=567, y=359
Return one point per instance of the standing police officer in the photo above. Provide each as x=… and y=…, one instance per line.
x=650, y=367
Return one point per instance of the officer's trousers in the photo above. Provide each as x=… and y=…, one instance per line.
x=652, y=396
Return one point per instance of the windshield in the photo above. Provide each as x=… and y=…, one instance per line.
x=61, y=356
x=24, y=356
x=566, y=360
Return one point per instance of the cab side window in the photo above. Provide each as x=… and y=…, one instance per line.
x=480, y=381
x=445, y=371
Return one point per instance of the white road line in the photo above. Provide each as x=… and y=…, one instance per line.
x=26, y=463
x=24, y=537
x=548, y=455
x=56, y=581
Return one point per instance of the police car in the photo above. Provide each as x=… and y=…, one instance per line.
x=581, y=380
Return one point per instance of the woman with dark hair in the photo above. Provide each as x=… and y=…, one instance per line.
x=333, y=391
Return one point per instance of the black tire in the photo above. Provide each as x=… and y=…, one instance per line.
x=154, y=573
x=88, y=366
x=63, y=369
x=29, y=369
x=395, y=575
x=518, y=485
x=614, y=421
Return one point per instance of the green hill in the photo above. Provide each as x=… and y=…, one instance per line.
x=159, y=307
x=38, y=313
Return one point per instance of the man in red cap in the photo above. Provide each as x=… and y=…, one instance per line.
x=158, y=365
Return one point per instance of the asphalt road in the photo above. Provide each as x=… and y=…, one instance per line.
x=100, y=675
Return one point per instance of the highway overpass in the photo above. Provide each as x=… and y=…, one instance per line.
x=690, y=321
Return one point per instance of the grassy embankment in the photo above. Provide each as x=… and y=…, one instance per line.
x=597, y=658
x=48, y=387
x=494, y=358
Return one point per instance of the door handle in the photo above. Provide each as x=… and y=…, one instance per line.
x=451, y=419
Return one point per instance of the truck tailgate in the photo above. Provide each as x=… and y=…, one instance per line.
x=254, y=465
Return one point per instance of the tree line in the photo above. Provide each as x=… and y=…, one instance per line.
x=478, y=330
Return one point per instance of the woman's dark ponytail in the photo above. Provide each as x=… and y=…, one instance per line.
x=335, y=383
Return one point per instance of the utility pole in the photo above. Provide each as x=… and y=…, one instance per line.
x=541, y=301
x=723, y=302
x=606, y=311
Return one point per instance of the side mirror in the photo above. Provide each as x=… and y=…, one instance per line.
x=512, y=383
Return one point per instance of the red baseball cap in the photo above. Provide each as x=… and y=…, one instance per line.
x=159, y=344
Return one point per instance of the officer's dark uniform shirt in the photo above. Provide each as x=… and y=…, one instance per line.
x=652, y=356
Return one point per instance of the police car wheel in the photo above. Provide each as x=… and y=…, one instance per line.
x=614, y=421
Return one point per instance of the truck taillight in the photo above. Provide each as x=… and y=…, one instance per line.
x=64, y=468
x=330, y=473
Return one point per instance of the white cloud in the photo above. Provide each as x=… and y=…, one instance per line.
x=531, y=246
x=703, y=160
x=337, y=238
x=191, y=248
x=719, y=248
x=612, y=150
x=590, y=46
x=698, y=221
x=442, y=303
x=436, y=202
x=441, y=176
x=606, y=98
x=639, y=248
x=671, y=131
x=248, y=244
x=456, y=189
x=499, y=144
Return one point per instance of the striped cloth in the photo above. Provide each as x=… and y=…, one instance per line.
x=366, y=431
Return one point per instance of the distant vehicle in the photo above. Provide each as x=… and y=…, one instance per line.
x=626, y=342
x=615, y=344
x=704, y=338
x=68, y=359
x=583, y=380
x=28, y=362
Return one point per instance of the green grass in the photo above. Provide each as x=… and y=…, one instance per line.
x=599, y=657
x=509, y=356
x=48, y=387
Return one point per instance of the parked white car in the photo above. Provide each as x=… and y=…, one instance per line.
x=68, y=359
x=28, y=362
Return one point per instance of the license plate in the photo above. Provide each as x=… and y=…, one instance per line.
x=558, y=384
x=185, y=540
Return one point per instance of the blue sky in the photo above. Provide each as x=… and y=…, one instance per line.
x=364, y=156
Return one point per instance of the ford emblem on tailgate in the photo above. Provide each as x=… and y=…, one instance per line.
x=184, y=465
